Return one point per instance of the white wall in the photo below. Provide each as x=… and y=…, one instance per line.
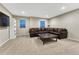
x=22, y=31
x=4, y=37
x=5, y=33
x=35, y=22
x=5, y=11
x=70, y=21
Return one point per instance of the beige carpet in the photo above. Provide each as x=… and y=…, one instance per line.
x=26, y=45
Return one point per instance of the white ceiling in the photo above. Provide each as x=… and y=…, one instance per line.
x=45, y=10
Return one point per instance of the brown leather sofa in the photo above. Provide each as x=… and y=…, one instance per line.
x=61, y=32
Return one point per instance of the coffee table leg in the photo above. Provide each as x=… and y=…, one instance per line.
x=43, y=43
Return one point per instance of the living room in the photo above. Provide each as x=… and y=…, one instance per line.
x=40, y=27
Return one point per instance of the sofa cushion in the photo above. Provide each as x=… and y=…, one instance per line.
x=55, y=29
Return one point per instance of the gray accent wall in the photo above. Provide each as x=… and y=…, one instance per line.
x=70, y=21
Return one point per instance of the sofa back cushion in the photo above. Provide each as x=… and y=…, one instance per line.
x=55, y=29
x=43, y=30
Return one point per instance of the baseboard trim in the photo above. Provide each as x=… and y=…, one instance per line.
x=4, y=43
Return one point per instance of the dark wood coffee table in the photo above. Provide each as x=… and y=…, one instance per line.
x=47, y=37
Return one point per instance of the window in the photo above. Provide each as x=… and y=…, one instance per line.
x=22, y=23
x=42, y=24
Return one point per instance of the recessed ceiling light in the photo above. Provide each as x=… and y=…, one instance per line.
x=23, y=12
x=63, y=7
